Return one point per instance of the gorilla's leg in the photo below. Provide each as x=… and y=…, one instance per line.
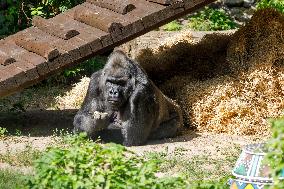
x=166, y=129
x=135, y=136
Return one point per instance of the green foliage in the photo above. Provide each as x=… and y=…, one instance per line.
x=275, y=156
x=86, y=68
x=172, y=26
x=276, y=4
x=16, y=15
x=10, y=21
x=3, y=132
x=85, y=164
x=211, y=19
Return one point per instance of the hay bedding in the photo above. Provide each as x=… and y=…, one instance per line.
x=226, y=84
x=75, y=97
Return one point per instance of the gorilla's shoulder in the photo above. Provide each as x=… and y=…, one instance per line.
x=96, y=75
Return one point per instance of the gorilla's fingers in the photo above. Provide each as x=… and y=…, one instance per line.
x=100, y=115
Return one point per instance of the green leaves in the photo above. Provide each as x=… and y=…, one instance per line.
x=85, y=164
x=211, y=19
x=37, y=11
x=276, y=4
x=3, y=132
x=172, y=26
x=17, y=15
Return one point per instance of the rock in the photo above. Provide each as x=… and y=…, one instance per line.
x=234, y=3
x=248, y=3
x=235, y=11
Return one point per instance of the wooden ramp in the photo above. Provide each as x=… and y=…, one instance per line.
x=91, y=28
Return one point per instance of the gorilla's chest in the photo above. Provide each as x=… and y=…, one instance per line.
x=116, y=119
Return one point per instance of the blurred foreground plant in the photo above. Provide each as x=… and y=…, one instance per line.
x=85, y=164
x=275, y=156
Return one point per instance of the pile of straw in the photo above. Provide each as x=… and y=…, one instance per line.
x=226, y=84
x=75, y=97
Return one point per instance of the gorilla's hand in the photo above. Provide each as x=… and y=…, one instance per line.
x=101, y=115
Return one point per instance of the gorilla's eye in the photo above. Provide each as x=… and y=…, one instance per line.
x=121, y=82
x=116, y=81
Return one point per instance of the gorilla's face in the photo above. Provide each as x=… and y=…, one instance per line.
x=117, y=91
x=118, y=82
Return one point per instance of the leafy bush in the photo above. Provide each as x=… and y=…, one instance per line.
x=3, y=132
x=86, y=68
x=85, y=164
x=172, y=26
x=16, y=15
x=211, y=19
x=275, y=155
x=276, y=4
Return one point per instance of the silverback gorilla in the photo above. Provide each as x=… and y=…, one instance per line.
x=122, y=96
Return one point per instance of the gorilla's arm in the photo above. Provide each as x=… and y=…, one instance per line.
x=92, y=117
x=137, y=128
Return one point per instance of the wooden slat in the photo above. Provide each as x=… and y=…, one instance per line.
x=30, y=42
x=18, y=74
x=119, y=6
x=163, y=2
x=97, y=20
x=23, y=61
x=22, y=55
x=5, y=59
x=54, y=28
x=131, y=24
x=7, y=82
x=86, y=32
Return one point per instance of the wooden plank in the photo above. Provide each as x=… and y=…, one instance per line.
x=22, y=55
x=163, y=2
x=7, y=82
x=16, y=73
x=97, y=20
x=90, y=35
x=5, y=59
x=23, y=59
x=149, y=13
x=130, y=24
x=145, y=8
x=29, y=69
x=119, y=6
x=39, y=62
x=164, y=14
x=71, y=50
x=104, y=37
x=54, y=28
x=170, y=11
x=192, y=5
x=30, y=42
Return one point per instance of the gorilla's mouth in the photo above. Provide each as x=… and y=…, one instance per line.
x=113, y=101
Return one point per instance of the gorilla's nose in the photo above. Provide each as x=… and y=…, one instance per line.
x=113, y=93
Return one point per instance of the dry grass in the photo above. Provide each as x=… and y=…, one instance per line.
x=74, y=98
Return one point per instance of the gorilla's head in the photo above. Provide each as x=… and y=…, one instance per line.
x=118, y=80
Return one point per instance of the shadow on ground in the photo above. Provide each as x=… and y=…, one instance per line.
x=44, y=123
x=37, y=122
